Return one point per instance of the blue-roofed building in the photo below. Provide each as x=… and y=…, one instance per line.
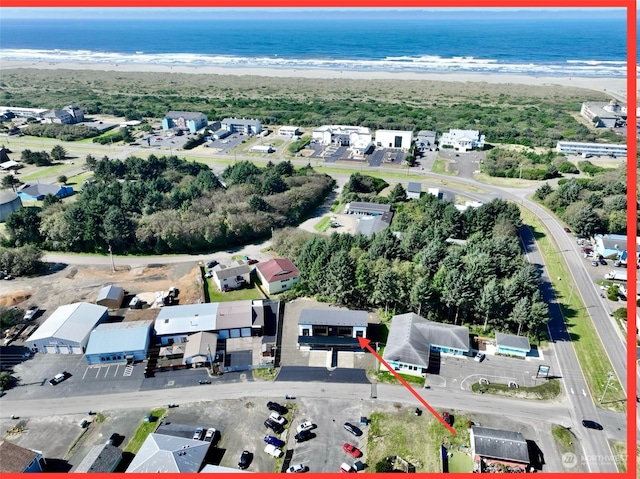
x=184, y=120
x=512, y=345
x=119, y=342
x=37, y=191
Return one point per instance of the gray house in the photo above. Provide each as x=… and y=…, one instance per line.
x=101, y=458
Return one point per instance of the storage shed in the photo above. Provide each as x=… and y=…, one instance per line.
x=111, y=297
x=67, y=330
x=119, y=342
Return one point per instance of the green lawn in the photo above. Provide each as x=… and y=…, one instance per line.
x=440, y=166
x=593, y=358
x=214, y=295
x=549, y=389
x=49, y=172
x=460, y=462
x=323, y=224
x=143, y=431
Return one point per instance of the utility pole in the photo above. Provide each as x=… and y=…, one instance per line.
x=210, y=358
x=610, y=377
x=113, y=265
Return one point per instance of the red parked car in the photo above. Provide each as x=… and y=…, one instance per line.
x=351, y=449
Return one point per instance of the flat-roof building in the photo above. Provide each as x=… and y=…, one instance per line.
x=119, y=342
x=184, y=120
x=595, y=149
x=327, y=328
x=242, y=125
x=394, y=139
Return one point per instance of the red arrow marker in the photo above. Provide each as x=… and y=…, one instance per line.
x=365, y=344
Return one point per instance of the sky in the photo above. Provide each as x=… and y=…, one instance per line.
x=428, y=13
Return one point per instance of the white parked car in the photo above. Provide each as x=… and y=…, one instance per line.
x=273, y=450
x=277, y=418
x=211, y=432
x=31, y=313
x=305, y=426
x=298, y=468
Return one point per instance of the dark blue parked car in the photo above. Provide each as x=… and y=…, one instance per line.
x=274, y=441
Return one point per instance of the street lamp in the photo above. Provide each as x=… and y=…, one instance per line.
x=609, y=379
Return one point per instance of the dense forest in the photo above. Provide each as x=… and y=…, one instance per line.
x=535, y=116
x=168, y=205
x=590, y=205
x=458, y=267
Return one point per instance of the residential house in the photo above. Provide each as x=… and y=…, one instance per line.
x=496, y=447
x=233, y=277
x=462, y=140
x=330, y=328
x=615, y=246
x=512, y=345
x=37, y=191
x=277, y=275
x=412, y=340
x=18, y=459
x=101, y=458
x=358, y=138
x=184, y=120
x=414, y=190
x=69, y=115
x=426, y=141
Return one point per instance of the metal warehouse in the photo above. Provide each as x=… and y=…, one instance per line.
x=119, y=342
x=111, y=297
x=67, y=330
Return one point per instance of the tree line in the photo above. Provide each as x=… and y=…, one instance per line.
x=169, y=205
x=590, y=205
x=446, y=265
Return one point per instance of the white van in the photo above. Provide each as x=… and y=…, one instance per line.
x=273, y=450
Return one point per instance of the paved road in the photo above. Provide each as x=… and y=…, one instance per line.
x=612, y=339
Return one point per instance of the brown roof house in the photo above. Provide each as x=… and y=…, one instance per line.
x=278, y=275
x=14, y=458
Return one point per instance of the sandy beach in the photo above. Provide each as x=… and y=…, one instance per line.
x=615, y=87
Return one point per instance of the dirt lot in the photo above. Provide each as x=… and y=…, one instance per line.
x=83, y=283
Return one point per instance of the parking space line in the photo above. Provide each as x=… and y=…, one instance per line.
x=117, y=369
x=98, y=371
x=86, y=370
x=106, y=373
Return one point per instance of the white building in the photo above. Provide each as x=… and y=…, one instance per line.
x=241, y=125
x=356, y=137
x=288, y=131
x=23, y=112
x=462, y=140
x=608, y=114
x=262, y=149
x=67, y=330
x=233, y=277
x=394, y=139
x=596, y=149
x=414, y=190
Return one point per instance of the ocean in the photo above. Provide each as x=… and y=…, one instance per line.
x=544, y=44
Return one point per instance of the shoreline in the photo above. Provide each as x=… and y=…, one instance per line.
x=616, y=87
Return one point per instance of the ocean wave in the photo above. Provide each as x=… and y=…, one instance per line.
x=418, y=64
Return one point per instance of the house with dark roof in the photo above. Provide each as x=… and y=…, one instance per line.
x=278, y=275
x=512, y=345
x=101, y=458
x=491, y=447
x=233, y=277
x=412, y=339
x=69, y=115
x=18, y=459
x=329, y=328
x=414, y=190
x=164, y=453
x=184, y=120
x=374, y=217
x=37, y=191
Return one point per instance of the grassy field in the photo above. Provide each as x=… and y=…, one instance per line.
x=547, y=390
x=440, y=165
x=388, y=378
x=323, y=224
x=415, y=439
x=591, y=353
x=563, y=439
x=49, y=172
x=143, y=431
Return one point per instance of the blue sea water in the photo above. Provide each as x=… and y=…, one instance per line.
x=540, y=45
